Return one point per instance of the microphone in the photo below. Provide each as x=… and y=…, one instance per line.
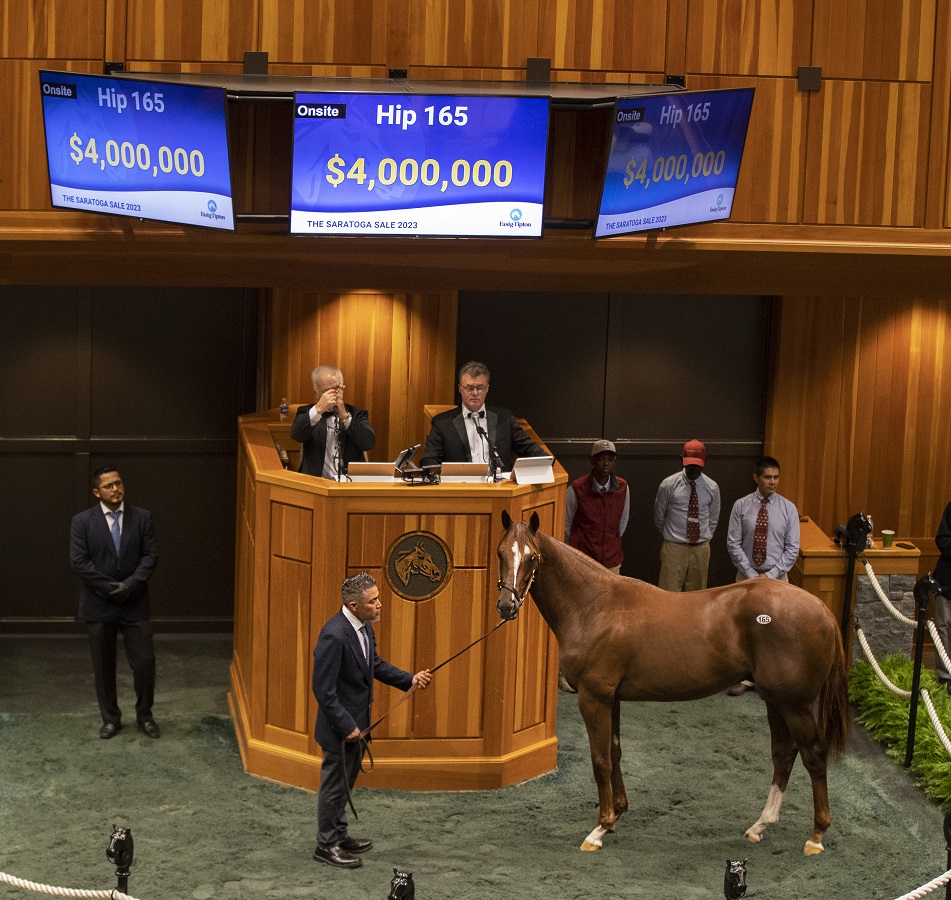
x=495, y=464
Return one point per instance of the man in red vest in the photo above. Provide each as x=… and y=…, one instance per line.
x=597, y=508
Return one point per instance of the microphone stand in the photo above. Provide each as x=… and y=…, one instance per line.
x=495, y=461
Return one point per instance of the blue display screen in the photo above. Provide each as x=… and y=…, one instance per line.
x=674, y=160
x=137, y=148
x=405, y=164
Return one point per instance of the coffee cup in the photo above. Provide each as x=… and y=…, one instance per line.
x=887, y=537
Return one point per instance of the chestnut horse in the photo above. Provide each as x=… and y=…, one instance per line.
x=624, y=639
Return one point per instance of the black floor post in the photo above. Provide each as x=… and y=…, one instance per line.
x=923, y=587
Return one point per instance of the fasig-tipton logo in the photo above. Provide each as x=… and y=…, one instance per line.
x=55, y=89
x=212, y=212
x=321, y=111
x=515, y=220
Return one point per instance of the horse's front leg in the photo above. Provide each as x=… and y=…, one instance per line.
x=596, y=712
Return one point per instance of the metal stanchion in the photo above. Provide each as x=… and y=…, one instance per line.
x=853, y=538
x=923, y=588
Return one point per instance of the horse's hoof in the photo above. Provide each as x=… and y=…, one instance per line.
x=754, y=837
x=812, y=849
x=594, y=841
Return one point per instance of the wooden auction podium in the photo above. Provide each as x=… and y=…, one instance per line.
x=487, y=720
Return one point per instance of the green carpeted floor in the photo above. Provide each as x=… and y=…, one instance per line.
x=697, y=775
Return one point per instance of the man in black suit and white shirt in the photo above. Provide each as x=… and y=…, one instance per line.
x=457, y=434
x=112, y=548
x=332, y=433
x=345, y=666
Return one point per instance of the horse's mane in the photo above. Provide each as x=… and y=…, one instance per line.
x=580, y=557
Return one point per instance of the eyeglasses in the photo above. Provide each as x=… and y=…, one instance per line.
x=474, y=388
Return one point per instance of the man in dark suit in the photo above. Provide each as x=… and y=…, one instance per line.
x=112, y=548
x=456, y=435
x=332, y=434
x=345, y=666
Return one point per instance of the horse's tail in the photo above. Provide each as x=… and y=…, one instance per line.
x=834, y=725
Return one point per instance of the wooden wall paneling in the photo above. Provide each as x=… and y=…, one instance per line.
x=537, y=649
x=772, y=174
x=748, y=37
x=324, y=31
x=190, y=30
x=430, y=376
x=288, y=654
x=488, y=34
x=890, y=40
x=813, y=383
x=870, y=164
x=445, y=624
x=260, y=150
x=859, y=410
x=300, y=70
x=603, y=35
x=938, y=212
x=55, y=29
x=396, y=352
x=577, y=143
x=115, y=43
x=675, y=54
x=370, y=535
x=25, y=182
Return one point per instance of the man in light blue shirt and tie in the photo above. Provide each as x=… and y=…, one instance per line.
x=763, y=537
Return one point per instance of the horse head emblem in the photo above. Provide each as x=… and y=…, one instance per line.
x=402, y=887
x=734, y=881
x=120, y=849
x=519, y=557
x=417, y=561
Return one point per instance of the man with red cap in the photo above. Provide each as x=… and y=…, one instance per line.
x=597, y=507
x=686, y=511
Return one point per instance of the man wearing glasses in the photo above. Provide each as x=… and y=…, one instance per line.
x=332, y=434
x=471, y=432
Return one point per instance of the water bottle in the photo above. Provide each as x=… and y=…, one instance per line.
x=285, y=409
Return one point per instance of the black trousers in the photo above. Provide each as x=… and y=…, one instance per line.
x=332, y=799
x=137, y=638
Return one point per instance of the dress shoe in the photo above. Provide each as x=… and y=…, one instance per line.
x=334, y=856
x=355, y=845
x=149, y=727
x=109, y=729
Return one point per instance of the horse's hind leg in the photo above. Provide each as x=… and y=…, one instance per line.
x=784, y=750
x=617, y=779
x=596, y=712
x=802, y=724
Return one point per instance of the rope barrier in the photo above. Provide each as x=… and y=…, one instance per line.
x=877, y=668
x=927, y=888
x=897, y=613
x=935, y=721
x=61, y=891
x=938, y=644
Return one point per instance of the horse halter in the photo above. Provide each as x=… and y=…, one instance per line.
x=519, y=599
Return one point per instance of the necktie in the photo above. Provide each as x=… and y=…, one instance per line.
x=366, y=643
x=116, y=533
x=760, y=534
x=693, y=515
